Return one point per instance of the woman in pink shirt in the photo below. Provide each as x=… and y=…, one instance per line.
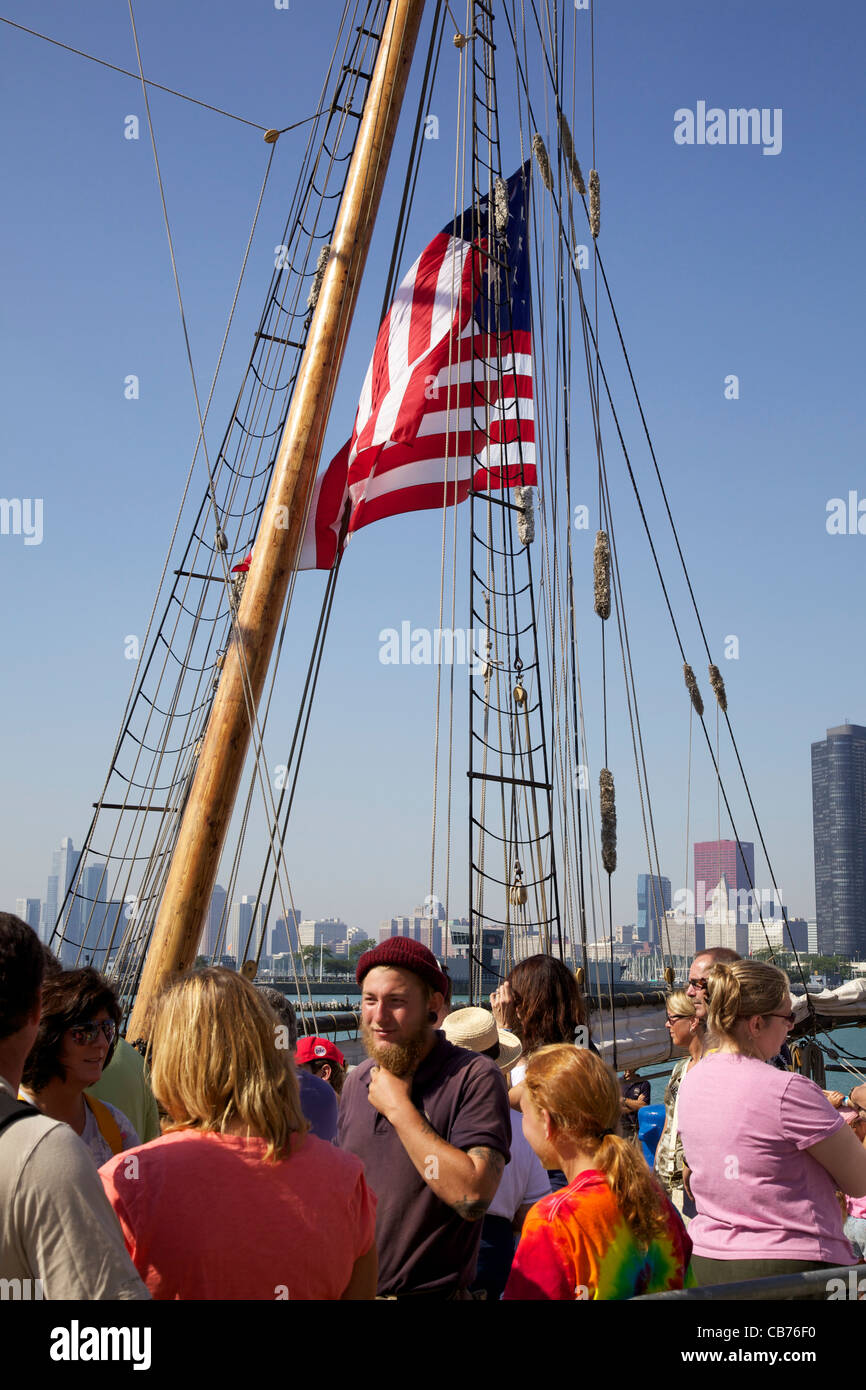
x=765, y=1148
x=236, y=1200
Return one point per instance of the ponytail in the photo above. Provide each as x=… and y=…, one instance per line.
x=635, y=1189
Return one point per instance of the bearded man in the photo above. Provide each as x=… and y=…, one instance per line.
x=429, y=1121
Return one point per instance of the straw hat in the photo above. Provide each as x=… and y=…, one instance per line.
x=476, y=1030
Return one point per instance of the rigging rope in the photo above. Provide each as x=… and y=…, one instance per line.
x=137, y=77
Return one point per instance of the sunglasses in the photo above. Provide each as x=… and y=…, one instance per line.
x=789, y=1018
x=697, y=984
x=85, y=1034
x=677, y=1018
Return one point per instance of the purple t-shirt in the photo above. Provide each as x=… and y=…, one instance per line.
x=423, y=1245
x=760, y=1196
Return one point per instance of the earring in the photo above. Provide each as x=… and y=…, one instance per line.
x=432, y=1016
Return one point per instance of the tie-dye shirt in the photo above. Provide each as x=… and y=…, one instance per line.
x=576, y=1245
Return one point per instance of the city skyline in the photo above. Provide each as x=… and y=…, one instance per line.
x=229, y=925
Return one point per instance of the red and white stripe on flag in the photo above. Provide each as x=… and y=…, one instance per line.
x=445, y=405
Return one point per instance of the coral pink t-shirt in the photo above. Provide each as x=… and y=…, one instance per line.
x=204, y=1217
x=760, y=1196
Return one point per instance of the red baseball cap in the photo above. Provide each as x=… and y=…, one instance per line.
x=318, y=1050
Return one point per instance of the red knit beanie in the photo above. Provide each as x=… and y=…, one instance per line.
x=405, y=954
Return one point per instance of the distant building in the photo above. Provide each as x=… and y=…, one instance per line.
x=342, y=948
x=722, y=925
x=713, y=858
x=284, y=933
x=245, y=929
x=64, y=866
x=322, y=931
x=49, y=908
x=420, y=926
x=812, y=927
x=679, y=935
x=774, y=933
x=29, y=910
x=213, y=933
x=653, y=900
x=839, y=832
x=624, y=934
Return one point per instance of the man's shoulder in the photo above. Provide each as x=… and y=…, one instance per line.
x=460, y=1061
x=38, y=1131
x=357, y=1076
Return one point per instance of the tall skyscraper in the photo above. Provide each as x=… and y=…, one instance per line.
x=713, y=858
x=284, y=933
x=839, y=830
x=213, y=930
x=653, y=900
x=64, y=866
x=29, y=909
x=245, y=928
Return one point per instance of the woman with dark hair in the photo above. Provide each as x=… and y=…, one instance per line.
x=76, y=1039
x=541, y=1002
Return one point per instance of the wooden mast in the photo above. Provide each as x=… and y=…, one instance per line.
x=206, y=816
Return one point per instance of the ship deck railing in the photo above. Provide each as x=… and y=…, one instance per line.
x=844, y=1282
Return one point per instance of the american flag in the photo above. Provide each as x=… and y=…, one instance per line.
x=447, y=400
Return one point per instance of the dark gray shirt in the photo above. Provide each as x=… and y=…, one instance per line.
x=423, y=1245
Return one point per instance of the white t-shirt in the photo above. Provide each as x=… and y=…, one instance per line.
x=92, y=1136
x=56, y=1224
x=524, y=1179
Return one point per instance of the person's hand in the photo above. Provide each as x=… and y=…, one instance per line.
x=514, y=1095
x=687, y=1173
x=857, y=1096
x=836, y=1099
x=388, y=1093
x=502, y=1004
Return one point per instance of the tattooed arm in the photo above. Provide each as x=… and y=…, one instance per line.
x=465, y=1179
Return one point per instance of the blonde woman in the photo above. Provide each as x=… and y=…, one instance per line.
x=765, y=1148
x=686, y=1032
x=236, y=1200
x=610, y=1233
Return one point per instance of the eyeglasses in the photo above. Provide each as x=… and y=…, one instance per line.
x=676, y=1018
x=790, y=1019
x=85, y=1034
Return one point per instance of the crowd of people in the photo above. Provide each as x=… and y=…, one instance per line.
x=475, y=1154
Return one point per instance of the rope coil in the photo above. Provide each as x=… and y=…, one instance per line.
x=570, y=157
x=500, y=206
x=594, y=203
x=315, y=288
x=692, y=688
x=526, y=518
x=601, y=575
x=607, y=801
x=718, y=685
x=541, y=159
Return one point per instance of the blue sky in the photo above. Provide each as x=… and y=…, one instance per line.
x=722, y=260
